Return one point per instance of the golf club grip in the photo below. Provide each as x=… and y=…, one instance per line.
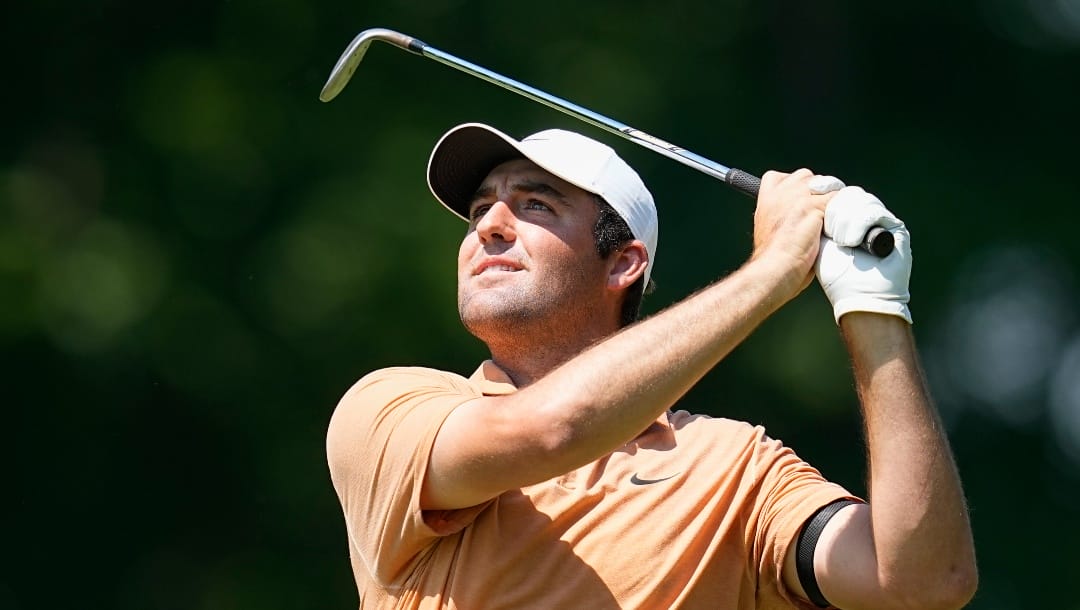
x=745, y=183
x=878, y=241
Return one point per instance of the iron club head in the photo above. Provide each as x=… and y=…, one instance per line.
x=354, y=53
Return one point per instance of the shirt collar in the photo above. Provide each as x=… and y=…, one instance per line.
x=492, y=380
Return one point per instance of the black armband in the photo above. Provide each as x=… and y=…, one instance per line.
x=807, y=544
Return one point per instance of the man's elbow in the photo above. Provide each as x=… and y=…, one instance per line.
x=964, y=582
x=949, y=591
x=958, y=588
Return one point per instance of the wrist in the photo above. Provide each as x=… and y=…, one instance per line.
x=878, y=344
x=867, y=332
x=778, y=280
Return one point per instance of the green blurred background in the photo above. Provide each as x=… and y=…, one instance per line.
x=197, y=257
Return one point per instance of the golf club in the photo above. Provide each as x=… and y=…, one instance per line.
x=877, y=241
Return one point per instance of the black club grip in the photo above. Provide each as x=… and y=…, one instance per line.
x=747, y=184
x=877, y=241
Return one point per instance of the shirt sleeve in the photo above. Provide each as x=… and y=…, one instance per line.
x=790, y=492
x=378, y=445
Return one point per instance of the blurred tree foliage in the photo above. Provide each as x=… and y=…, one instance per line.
x=197, y=257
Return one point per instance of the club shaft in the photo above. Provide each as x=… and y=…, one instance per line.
x=877, y=241
x=596, y=119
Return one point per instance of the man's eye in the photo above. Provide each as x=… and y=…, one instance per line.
x=478, y=211
x=536, y=204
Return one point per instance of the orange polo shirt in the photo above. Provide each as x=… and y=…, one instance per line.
x=695, y=512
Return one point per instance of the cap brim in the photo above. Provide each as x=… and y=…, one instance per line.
x=462, y=158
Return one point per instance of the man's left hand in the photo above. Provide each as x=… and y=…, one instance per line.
x=852, y=279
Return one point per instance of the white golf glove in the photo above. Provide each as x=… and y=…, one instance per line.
x=853, y=279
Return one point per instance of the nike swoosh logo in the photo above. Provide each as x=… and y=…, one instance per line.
x=636, y=480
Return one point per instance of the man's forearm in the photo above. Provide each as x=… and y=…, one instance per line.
x=577, y=405
x=921, y=532
x=615, y=389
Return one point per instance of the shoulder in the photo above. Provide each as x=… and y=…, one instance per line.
x=693, y=424
x=398, y=386
x=405, y=377
x=393, y=384
x=393, y=407
x=389, y=396
x=740, y=441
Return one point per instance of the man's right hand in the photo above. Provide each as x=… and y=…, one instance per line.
x=788, y=223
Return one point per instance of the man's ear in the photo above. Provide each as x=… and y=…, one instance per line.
x=627, y=265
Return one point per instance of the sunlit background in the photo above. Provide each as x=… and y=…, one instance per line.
x=197, y=257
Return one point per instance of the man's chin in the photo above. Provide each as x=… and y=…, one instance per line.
x=488, y=310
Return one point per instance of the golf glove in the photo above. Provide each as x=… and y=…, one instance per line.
x=853, y=279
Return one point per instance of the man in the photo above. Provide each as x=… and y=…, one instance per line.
x=559, y=476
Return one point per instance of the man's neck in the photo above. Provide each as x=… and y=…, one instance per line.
x=526, y=362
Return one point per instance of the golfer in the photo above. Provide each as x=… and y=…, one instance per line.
x=561, y=473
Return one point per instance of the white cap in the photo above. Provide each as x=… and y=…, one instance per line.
x=466, y=154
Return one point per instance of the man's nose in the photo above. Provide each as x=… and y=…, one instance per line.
x=497, y=223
